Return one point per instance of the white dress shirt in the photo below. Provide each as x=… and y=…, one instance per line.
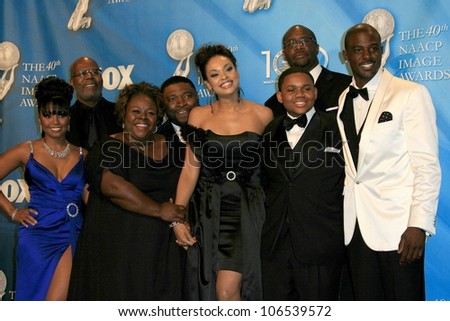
x=360, y=105
x=296, y=132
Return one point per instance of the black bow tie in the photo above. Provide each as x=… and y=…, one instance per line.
x=355, y=92
x=288, y=122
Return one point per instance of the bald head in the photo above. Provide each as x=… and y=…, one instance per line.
x=361, y=27
x=88, y=86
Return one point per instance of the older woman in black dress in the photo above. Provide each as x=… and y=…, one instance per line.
x=126, y=250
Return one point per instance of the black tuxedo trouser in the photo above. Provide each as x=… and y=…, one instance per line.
x=286, y=279
x=378, y=276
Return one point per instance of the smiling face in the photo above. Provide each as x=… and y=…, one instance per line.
x=54, y=120
x=222, y=76
x=179, y=99
x=363, y=51
x=140, y=119
x=297, y=93
x=89, y=87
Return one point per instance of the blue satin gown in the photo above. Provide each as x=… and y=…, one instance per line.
x=60, y=215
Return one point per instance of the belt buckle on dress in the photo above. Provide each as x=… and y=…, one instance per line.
x=230, y=175
x=69, y=206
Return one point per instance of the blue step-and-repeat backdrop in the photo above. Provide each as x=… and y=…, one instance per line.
x=149, y=40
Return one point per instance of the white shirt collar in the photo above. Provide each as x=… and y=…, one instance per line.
x=309, y=114
x=315, y=72
x=372, y=84
x=176, y=127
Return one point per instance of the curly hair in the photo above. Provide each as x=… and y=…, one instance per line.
x=142, y=88
x=206, y=52
x=53, y=90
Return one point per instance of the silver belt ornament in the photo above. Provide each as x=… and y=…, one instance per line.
x=231, y=175
x=69, y=207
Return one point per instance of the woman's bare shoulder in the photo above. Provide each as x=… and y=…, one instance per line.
x=264, y=112
x=259, y=107
x=200, y=109
x=17, y=154
x=24, y=148
x=198, y=114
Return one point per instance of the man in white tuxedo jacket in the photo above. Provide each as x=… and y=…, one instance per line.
x=388, y=127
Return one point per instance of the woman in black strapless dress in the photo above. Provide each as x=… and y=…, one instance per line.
x=221, y=184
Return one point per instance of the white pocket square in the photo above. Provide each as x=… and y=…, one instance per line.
x=330, y=149
x=332, y=108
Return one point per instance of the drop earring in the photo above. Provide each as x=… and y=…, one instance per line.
x=212, y=99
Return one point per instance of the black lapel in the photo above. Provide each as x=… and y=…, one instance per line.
x=307, y=147
x=348, y=118
x=277, y=149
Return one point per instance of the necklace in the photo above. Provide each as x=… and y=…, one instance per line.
x=56, y=154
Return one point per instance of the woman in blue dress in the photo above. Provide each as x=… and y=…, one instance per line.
x=54, y=173
x=222, y=173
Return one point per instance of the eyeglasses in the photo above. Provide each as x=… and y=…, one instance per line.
x=84, y=73
x=293, y=43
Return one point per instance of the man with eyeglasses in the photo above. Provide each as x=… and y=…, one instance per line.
x=300, y=48
x=91, y=116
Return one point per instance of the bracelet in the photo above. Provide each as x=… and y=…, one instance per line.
x=14, y=214
x=173, y=224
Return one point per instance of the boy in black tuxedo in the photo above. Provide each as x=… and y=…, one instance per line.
x=302, y=239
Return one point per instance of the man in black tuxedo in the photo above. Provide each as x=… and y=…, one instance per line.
x=302, y=245
x=179, y=97
x=300, y=48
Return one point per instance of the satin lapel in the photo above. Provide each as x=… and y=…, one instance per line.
x=172, y=133
x=324, y=81
x=372, y=118
x=346, y=148
x=167, y=130
x=306, y=148
x=282, y=151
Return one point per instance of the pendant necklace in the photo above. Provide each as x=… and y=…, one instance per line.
x=57, y=154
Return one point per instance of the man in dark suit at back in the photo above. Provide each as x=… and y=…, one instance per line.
x=92, y=116
x=179, y=97
x=300, y=48
x=302, y=247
